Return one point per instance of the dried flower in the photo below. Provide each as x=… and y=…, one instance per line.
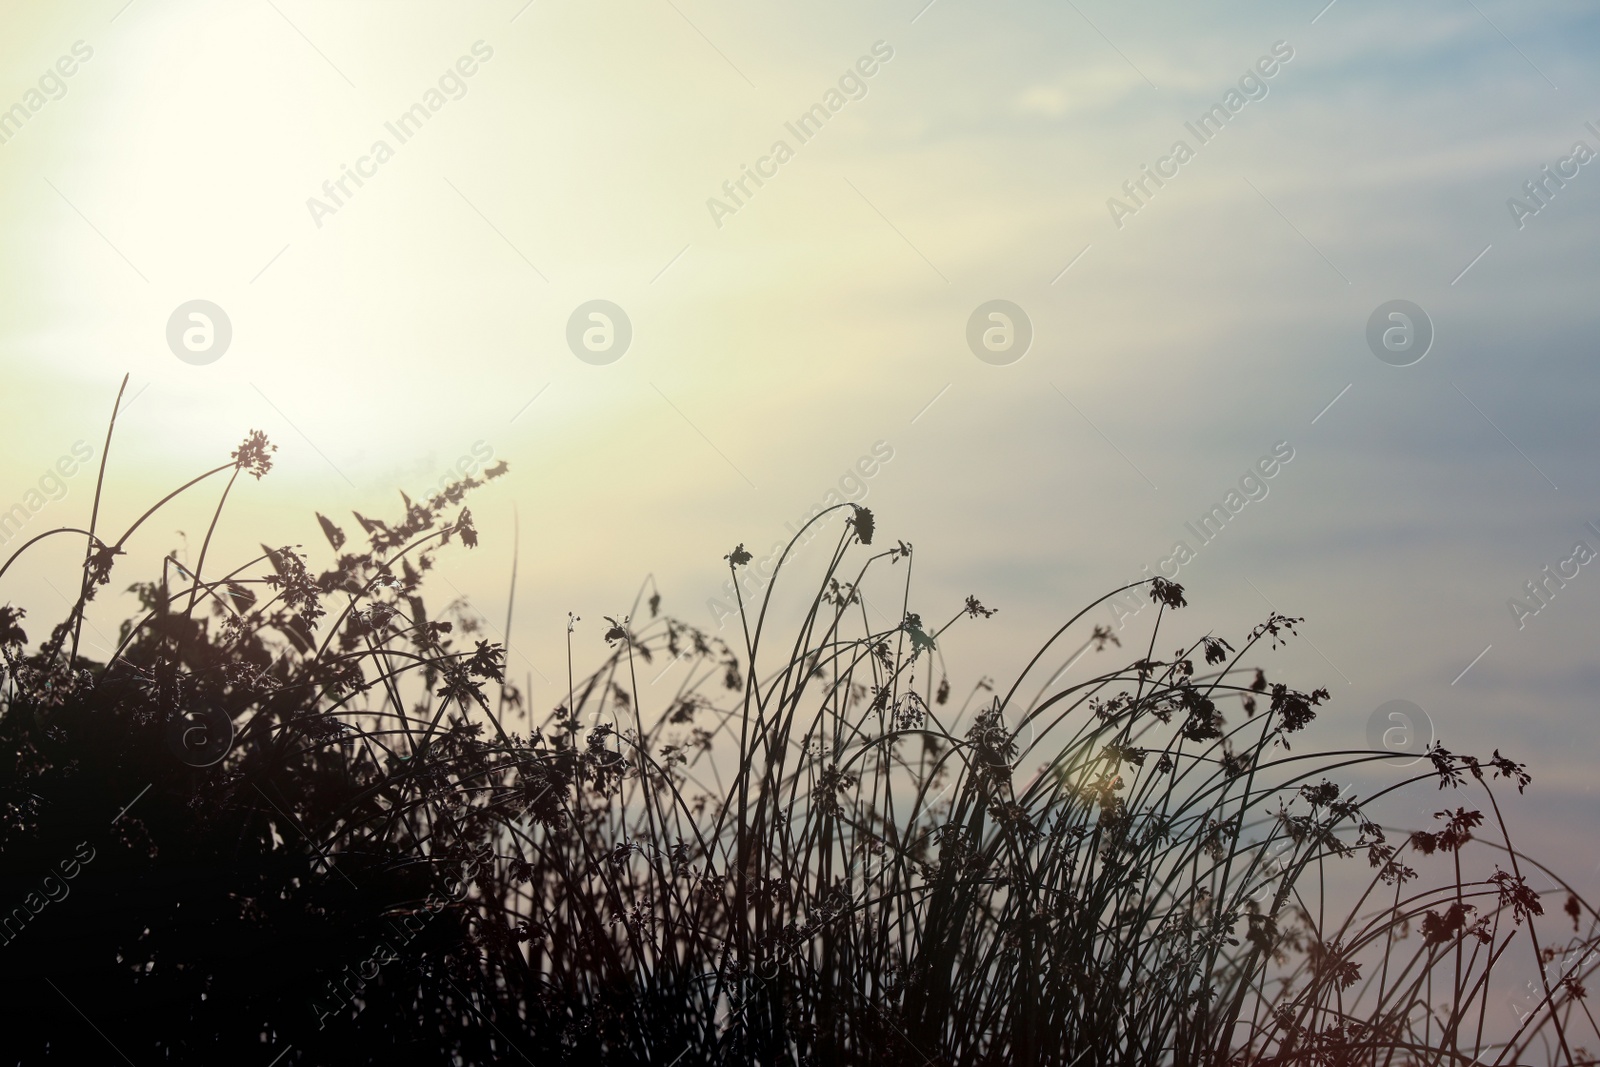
x=255, y=454
x=1168, y=593
x=863, y=523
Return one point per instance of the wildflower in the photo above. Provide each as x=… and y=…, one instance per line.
x=299, y=592
x=458, y=686
x=255, y=455
x=1514, y=891
x=1390, y=870
x=487, y=662
x=1012, y=819
x=1504, y=768
x=1330, y=959
x=840, y=594
x=1263, y=932
x=974, y=609
x=1320, y=795
x=1275, y=626
x=1168, y=593
x=1438, y=929
x=920, y=641
x=1204, y=722
x=830, y=784
x=1459, y=829
x=1117, y=753
x=1216, y=649
x=1443, y=765
x=463, y=526
x=863, y=523
x=100, y=563
x=1295, y=707
x=911, y=712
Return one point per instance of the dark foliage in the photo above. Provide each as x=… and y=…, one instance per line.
x=288, y=818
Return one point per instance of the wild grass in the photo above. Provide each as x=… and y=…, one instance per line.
x=327, y=828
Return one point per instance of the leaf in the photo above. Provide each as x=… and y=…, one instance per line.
x=299, y=634
x=276, y=558
x=10, y=632
x=334, y=535
x=370, y=525
x=243, y=599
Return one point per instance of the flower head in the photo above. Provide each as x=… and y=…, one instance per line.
x=255, y=455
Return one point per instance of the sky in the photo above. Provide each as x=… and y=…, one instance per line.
x=829, y=318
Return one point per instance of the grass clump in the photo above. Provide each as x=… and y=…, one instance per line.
x=325, y=826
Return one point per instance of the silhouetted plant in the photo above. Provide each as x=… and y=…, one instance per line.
x=316, y=834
